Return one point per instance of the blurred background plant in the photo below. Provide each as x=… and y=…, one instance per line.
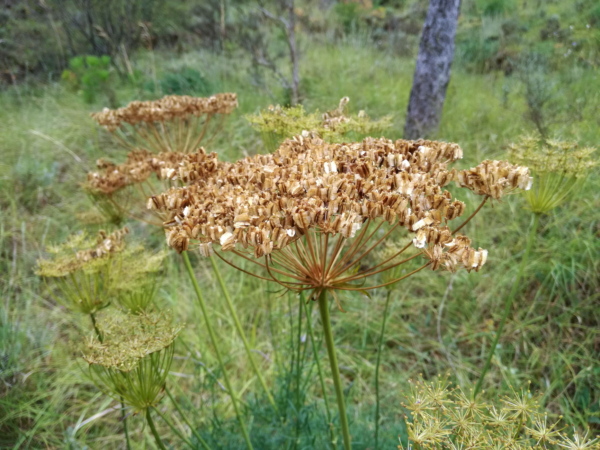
x=277, y=123
x=91, y=76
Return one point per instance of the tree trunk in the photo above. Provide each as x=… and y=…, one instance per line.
x=293, y=52
x=432, y=74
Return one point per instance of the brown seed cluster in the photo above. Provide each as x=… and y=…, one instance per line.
x=141, y=165
x=495, y=178
x=166, y=109
x=265, y=203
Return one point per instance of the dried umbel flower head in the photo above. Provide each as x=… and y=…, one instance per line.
x=278, y=123
x=175, y=123
x=81, y=268
x=132, y=361
x=560, y=169
x=443, y=417
x=124, y=189
x=138, y=279
x=313, y=210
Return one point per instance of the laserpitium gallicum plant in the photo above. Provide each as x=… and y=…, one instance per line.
x=308, y=214
x=158, y=135
x=311, y=217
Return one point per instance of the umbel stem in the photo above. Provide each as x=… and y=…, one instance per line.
x=380, y=344
x=509, y=301
x=125, y=427
x=213, y=339
x=157, y=438
x=241, y=333
x=123, y=415
x=335, y=372
x=319, y=369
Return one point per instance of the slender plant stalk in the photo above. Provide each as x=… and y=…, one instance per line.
x=335, y=371
x=385, y=313
x=187, y=421
x=157, y=438
x=125, y=427
x=241, y=333
x=214, y=341
x=298, y=374
x=175, y=430
x=509, y=301
x=123, y=416
x=93, y=317
x=319, y=369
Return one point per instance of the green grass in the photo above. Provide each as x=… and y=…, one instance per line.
x=551, y=338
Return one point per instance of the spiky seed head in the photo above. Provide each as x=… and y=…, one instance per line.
x=514, y=423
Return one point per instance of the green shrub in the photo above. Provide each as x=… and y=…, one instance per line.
x=496, y=7
x=186, y=81
x=349, y=15
x=90, y=75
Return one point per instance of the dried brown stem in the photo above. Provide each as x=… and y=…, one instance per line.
x=472, y=215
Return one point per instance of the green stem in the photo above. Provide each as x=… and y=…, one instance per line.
x=335, y=371
x=241, y=333
x=159, y=442
x=385, y=313
x=175, y=430
x=93, y=317
x=125, y=427
x=123, y=416
x=519, y=427
x=298, y=374
x=187, y=421
x=319, y=369
x=214, y=341
x=509, y=301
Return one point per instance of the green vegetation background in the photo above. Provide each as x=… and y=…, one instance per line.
x=514, y=62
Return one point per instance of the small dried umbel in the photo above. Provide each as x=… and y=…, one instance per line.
x=82, y=269
x=560, y=169
x=314, y=210
x=124, y=189
x=132, y=361
x=442, y=417
x=175, y=123
x=278, y=123
x=138, y=280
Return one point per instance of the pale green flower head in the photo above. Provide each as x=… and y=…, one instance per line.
x=81, y=268
x=559, y=168
x=134, y=357
x=278, y=123
x=137, y=279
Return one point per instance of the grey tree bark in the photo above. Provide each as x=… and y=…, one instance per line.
x=432, y=74
x=291, y=35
